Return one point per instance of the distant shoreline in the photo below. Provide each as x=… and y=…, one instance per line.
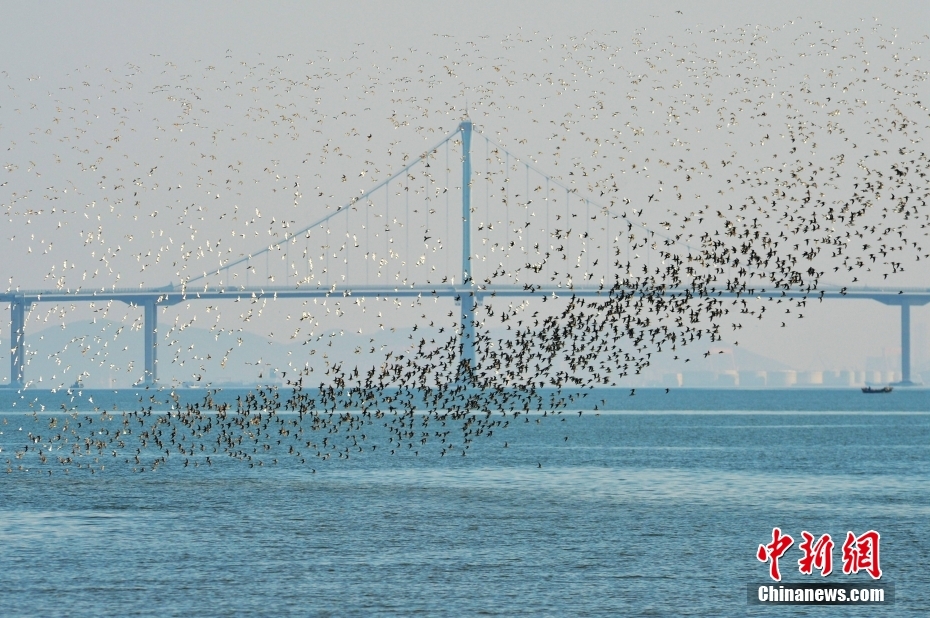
x=793, y=400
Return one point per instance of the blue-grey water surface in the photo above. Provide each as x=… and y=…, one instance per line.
x=655, y=511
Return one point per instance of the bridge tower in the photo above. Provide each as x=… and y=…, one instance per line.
x=467, y=299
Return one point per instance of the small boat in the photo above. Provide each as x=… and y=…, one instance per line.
x=873, y=389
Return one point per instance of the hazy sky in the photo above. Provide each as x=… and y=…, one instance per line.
x=385, y=70
x=53, y=35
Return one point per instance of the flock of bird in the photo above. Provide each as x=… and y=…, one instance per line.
x=736, y=160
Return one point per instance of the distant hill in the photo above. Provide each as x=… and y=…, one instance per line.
x=104, y=353
x=722, y=358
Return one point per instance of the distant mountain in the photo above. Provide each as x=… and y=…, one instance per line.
x=721, y=358
x=104, y=353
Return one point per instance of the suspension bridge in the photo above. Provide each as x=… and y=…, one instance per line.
x=440, y=227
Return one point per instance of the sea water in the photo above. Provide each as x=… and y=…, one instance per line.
x=655, y=507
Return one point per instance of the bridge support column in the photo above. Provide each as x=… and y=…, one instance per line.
x=17, y=342
x=467, y=338
x=906, y=301
x=151, y=341
x=906, y=345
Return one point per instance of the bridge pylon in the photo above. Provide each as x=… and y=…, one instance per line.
x=467, y=300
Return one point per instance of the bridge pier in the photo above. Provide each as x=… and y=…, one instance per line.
x=906, y=345
x=151, y=341
x=467, y=337
x=905, y=302
x=17, y=342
